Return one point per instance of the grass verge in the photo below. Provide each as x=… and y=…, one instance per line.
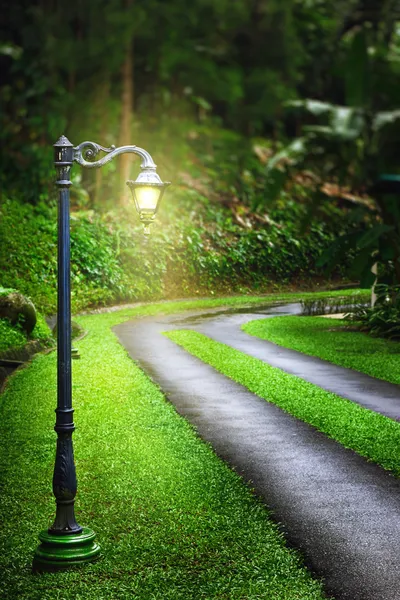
x=173, y=521
x=331, y=341
x=181, y=305
x=370, y=434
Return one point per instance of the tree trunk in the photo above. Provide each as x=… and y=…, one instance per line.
x=101, y=102
x=126, y=121
x=389, y=218
x=374, y=270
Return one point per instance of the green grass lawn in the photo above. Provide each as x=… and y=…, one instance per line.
x=14, y=337
x=328, y=339
x=174, y=522
x=368, y=433
x=169, y=307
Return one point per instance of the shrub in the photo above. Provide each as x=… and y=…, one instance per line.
x=330, y=306
x=383, y=319
x=10, y=337
x=196, y=247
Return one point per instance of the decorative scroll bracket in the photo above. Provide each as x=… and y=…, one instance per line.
x=86, y=153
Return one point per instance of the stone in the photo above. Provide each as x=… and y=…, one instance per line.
x=17, y=308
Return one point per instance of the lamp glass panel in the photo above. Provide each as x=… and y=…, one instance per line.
x=147, y=197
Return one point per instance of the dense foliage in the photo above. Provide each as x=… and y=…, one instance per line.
x=383, y=319
x=350, y=148
x=60, y=72
x=210, y=103
x=13, y=336
x=112, y=262
x=10, y=337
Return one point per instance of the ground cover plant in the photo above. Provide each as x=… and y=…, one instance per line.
x=382, y=319
x=13, y=336
x=334, y=342
x=173, y=521
x=10, y=337
x=368, y=433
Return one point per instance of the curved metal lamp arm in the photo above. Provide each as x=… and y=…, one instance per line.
x=90, y=150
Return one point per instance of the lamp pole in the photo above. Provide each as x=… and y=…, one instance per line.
x=66, y=543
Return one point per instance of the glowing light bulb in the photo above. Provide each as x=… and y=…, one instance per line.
x=147, y=197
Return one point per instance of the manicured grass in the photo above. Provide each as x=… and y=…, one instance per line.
x=177, y=306
x=231, y=301
x=328, y=339
x=370, y=434
x=12, y=337
x=173, y=521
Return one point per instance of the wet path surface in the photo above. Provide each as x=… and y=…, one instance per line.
x=375, y=394
x=342, y=512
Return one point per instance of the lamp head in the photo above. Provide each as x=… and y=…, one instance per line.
x=147, y=191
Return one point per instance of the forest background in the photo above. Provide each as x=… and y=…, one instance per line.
x=274, y=121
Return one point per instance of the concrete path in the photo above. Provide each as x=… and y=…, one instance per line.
x=342, y=512
x=375, y=394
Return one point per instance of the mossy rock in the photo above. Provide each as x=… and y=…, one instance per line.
x=18, y=309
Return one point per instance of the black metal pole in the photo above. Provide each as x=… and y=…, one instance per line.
x=64, y=479
x=65, y=543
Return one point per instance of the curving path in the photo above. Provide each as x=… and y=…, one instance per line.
x=340, y=510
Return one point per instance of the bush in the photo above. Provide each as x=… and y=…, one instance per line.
x=196, y=247
x=383, y=319
x=28, y=256
x=10, y=337
x=13, y=336
x=330, y=306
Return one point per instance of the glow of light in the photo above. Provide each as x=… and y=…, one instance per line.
x=147, y=197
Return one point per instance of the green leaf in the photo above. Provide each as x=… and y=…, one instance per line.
x=371, y=237
x=297, y=149
x=362, y=264
x=315, y=107
x=202, y=102
x=357, y=71
x=367, y=278
x=11, y=50
x=345, y=124
x=385, y=118
x=338, y=249
x=276, y=180
x=321, y=130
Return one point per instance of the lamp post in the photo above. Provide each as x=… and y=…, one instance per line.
x=66, y=543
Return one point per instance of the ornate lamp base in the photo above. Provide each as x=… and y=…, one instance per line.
x=65, y=551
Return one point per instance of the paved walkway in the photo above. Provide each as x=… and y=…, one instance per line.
x=342, y=512
x=375, y=394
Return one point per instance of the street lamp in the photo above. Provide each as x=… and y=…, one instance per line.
x=147, y=191
x=66, y=543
